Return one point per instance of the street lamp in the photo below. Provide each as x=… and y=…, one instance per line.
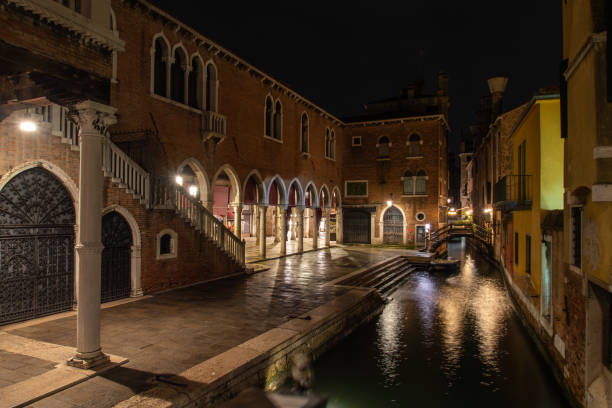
x=179, y=180
x=27, y=124
x=193, y=190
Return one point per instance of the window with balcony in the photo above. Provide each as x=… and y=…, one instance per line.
x=211, y=87
x=195, y=87
x=160, y=66
x=178, y=69
x=327, y=139
x=414, y=184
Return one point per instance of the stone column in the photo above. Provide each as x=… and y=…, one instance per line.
x=315, y=231
x=262, y=230
x=255, y=226
x=299, y=226
x=136, y=272
x=277, y=225
x=339, y=226
x=293, y=230
x=282, y=214
x=238, y=220
x=327, y=229
x=93, y=119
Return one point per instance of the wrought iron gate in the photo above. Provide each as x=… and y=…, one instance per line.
x=36, y=247
x=116, y=257
x=356, y=226
x=393, y=226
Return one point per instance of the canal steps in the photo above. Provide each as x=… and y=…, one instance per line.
x=384, y=277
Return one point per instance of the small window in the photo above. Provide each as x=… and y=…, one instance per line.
x=269, y=114
x=414, y=145
x=420, y=216
x=278, y=121
x=408, y=182
x=304, y=133
x=356, y=141
x=516, y=248
x=327, y=140
x=421, y=182
x=528, y=254
x=576, y=237
x=383, y=147
x=167, y=244
x=332, y=145
x=356, y=188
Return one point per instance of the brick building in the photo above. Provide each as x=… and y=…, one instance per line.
x=202, y=155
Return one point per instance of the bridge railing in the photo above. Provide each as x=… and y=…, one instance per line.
x=437, y=237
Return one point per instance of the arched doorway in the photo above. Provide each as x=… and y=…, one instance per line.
x=37, y=220
x=393, y=226
x=116, y=257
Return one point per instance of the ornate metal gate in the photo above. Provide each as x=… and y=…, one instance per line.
x=36, y=247
x=356, y=226
x=116, y=257
x=393, y=226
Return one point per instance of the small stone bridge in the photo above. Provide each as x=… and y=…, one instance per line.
x=442, y=235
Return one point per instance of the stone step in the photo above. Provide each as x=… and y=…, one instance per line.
x=381, y=275
x=396, y=282
x=352, y=281
x=389, y=277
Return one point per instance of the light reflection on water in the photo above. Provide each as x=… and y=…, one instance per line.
x=444, y=340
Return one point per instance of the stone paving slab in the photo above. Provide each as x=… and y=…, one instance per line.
x=168, y=333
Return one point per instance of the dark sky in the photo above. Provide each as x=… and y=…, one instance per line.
x=343, y=56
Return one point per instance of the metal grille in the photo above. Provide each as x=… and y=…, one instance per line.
x=116, y=257
x=356, y=227
x=393, y=226
x=36, y=247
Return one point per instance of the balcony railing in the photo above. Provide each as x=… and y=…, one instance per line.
x=513, y=192
x=213, y=126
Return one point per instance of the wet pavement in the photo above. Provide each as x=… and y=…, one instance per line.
x=170, y=332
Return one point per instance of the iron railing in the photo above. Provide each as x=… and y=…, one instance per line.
x=171, y=195
x=513, y=192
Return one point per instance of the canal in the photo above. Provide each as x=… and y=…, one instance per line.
x=445, y=340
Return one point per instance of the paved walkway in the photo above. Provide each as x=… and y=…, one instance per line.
x=273, y=248
x=167, y=333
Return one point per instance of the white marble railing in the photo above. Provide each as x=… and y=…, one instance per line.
x=125, y=171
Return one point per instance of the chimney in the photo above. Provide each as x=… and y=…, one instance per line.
x=497, y=86
x=442, y=83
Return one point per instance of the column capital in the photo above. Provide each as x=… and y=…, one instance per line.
x=94, y=116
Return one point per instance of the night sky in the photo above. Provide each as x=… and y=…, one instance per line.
x=343, y=56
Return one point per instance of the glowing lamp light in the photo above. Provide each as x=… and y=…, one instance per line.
x=27, y=126
x=389, y=203
x=427, y=227
x=488, y=210
x=448, y=200
x=193, y=190
x=179, y=180
x=452, y=210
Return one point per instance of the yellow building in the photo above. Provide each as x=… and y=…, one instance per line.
x=535, y=186
x=587, y=125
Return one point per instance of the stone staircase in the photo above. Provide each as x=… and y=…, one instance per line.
x=385, y=277
x=158, y=194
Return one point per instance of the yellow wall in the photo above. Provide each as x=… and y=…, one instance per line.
x=551, y=157
x=540, y=129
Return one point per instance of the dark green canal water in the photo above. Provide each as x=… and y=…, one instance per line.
x=445, y=340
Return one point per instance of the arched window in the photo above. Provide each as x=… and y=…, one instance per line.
x=269, y=115
x=332, y=145
x=167, y=244
x=414, y=145
x=421, y=182
x=327, y=137
x=278, y=121
x=179, y=66
x=408, y=181
x=160, y=67
x=304, y=133
x=383, y=147
x=195, y=83
x=211, y=88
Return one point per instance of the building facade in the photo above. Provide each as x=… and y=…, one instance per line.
x=189, y=156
